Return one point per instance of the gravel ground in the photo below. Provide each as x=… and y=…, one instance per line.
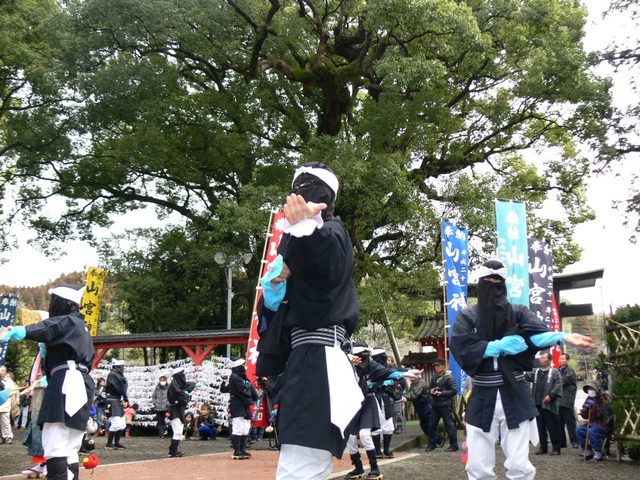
x=412, y=464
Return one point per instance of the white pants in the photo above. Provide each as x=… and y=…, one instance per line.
x=365, y=440
x=240, y=426
x=515, y=445
x=117, y=423
x=176, y=429
x=303, y=463
x=60, y=441
x=5, y=425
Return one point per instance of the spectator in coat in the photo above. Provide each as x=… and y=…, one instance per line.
x=419, y=394
x=443, y=388
x=567, y=415
x=592, y=433
x=546, y=389
x=161, y=404
x=207, y=428
x=5, y=408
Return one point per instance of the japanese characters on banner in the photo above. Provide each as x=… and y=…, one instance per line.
x=455, y=247
x=511, y=222
x=91, y=298
x=541, y=300
x=540, y=280
x=8, y=307
x=261, y=417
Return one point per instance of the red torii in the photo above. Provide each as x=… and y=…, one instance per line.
x=198, y=344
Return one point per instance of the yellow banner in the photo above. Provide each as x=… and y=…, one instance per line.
x=91, y=298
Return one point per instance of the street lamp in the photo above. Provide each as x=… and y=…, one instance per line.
x=229, y=264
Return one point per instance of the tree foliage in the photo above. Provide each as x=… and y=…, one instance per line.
x=624, y=55
x=425, y=109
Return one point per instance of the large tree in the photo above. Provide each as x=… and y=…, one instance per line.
x=426, y=109
x=624, y=55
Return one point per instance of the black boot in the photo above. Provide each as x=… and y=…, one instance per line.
x=117, y=443
x=237, y=447
x=374, y=474
x=357, y=472
x=57, y=468
x=173, y=449
x=376, y=444
x=387, y=446
x=75, y=469
x=109, y=445
x=243, y=446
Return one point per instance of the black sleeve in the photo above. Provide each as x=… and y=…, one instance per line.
x=467, y=346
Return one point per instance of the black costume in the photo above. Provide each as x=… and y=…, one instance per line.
x=179, y=395
x=116, y=390
x=242, y=395
x=492, y=342
x=468, y=344
x=69, y=349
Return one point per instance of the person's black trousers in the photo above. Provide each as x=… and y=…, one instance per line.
x=548, y=422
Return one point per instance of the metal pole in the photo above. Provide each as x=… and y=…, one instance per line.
x=229, y=297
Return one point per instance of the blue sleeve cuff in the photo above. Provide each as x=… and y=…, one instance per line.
x=547, y=339
x=273, y=293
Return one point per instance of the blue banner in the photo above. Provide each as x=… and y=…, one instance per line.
x=511, y=223
x=8, y=307
x=455, y=247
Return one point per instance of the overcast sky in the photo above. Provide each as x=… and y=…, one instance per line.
x=605, y=240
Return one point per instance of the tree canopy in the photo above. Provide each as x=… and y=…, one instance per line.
x=425, y=109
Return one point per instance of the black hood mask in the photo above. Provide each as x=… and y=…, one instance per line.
x=313, y=189
x=494, y=310
x=62, y=306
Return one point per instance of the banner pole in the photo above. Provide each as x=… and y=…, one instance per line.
x=444, y=303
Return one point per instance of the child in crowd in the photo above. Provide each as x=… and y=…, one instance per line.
x=207, y=427
x=129, y=414
x=190, y=426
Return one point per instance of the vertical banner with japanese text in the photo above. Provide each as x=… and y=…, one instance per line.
x=541, y=287
x=92, y=297
x=540, y=279
x=455, y=248
x=511, y=224
x=260, y=414
x=8, y=308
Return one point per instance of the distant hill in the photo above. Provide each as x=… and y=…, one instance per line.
x=37, y=298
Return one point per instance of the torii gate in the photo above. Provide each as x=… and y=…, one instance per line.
x=198, y=344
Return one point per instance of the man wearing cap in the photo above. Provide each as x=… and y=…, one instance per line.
x=443, y=388
x=495, y=341
x=242, y=395
x=68, y=356
x=319, y=395
x=116, y=390
x=178, y=395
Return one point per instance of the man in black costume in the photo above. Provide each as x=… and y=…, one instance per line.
x=495, y=341
x=319, y=395
x=179, y=395
x=116, y=390
x=242, y=395
x=68, y=358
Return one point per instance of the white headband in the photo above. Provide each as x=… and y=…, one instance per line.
x=68, y=293
x=325, y=175
x=486, y=271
